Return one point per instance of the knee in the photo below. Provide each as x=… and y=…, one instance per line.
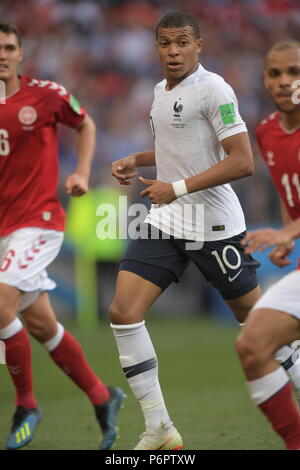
x=243, y=347
x=251, y=352
x=7, y=313
x=41, y=332
x=120, y=315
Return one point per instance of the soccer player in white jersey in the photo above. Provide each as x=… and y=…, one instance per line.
x=201, y=145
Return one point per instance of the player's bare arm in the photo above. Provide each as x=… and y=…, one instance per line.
x=238, y=164
x=125, y=168
x=262, y=239
x=77, y=183
x=279, y=254
x=157, y=191
x=285, y=216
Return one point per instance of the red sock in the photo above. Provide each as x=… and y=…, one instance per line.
x=284, y=416
x=69, y=356
x=18, y=360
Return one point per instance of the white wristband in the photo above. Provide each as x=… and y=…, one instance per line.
x=180, y=188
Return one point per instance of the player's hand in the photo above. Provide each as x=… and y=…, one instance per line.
x=124, y=169
x=157, y=191
x=76, y=185
x=279, y=255
x=262, y=239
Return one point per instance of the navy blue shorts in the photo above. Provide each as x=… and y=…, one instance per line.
x=222, y=262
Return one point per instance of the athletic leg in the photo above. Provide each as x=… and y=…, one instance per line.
x=18, y=351
x=233, y=273
x=287, y=355
x=265, y=331
x=134, y=296
x=67, y=353
x=241, y=306
x=18, y=360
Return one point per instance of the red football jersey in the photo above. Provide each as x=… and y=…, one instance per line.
x=281, y=151
x=29, y=154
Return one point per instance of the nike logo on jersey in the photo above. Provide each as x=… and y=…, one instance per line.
x=231, y=279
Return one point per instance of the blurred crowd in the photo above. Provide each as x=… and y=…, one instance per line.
x=104, y=52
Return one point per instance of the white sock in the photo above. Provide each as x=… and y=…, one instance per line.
x=289, y=358
x=294, y=373
x=12, y=329
x=54, y=342
x=265, y=387
x=285, y=353
x=139, y=362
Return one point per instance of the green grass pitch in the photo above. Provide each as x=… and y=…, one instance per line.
x=200, y=376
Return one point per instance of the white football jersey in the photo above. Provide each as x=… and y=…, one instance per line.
x=188, y=124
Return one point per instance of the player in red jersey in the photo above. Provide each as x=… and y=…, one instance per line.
x=31, y=233
x=275, y=318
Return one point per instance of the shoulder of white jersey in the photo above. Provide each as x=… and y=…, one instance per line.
x=210, y=78
x=212, y=81
x=160, y=85
x=45, y=86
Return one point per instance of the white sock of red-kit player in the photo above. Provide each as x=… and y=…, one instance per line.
x=289, y=357
x=272, y=393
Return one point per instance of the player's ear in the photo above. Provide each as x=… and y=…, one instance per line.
x=199, y=45
x=266, y=83
x=21, y=56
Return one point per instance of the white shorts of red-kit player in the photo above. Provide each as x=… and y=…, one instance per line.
x=284, y=295
x=24, y=256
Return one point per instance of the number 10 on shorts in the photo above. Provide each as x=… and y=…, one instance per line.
x=2, y=352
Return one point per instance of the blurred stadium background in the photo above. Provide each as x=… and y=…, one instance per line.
x=104, y=52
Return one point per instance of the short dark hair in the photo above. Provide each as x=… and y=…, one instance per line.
x=11, y=28
x=284, y=45
x=178, y=19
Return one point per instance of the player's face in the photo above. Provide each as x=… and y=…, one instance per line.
x=281, y=70
x=178, y=50
x=11, y=55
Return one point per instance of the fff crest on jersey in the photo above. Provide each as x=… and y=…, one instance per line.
x=177, y=108
x=27, y=115
x=177, y=118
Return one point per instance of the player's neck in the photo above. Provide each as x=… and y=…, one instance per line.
x=290, y=121
x=12, y=85
x=172, y=82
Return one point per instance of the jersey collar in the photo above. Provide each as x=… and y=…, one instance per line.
x=18, y=89
x=286, y=131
